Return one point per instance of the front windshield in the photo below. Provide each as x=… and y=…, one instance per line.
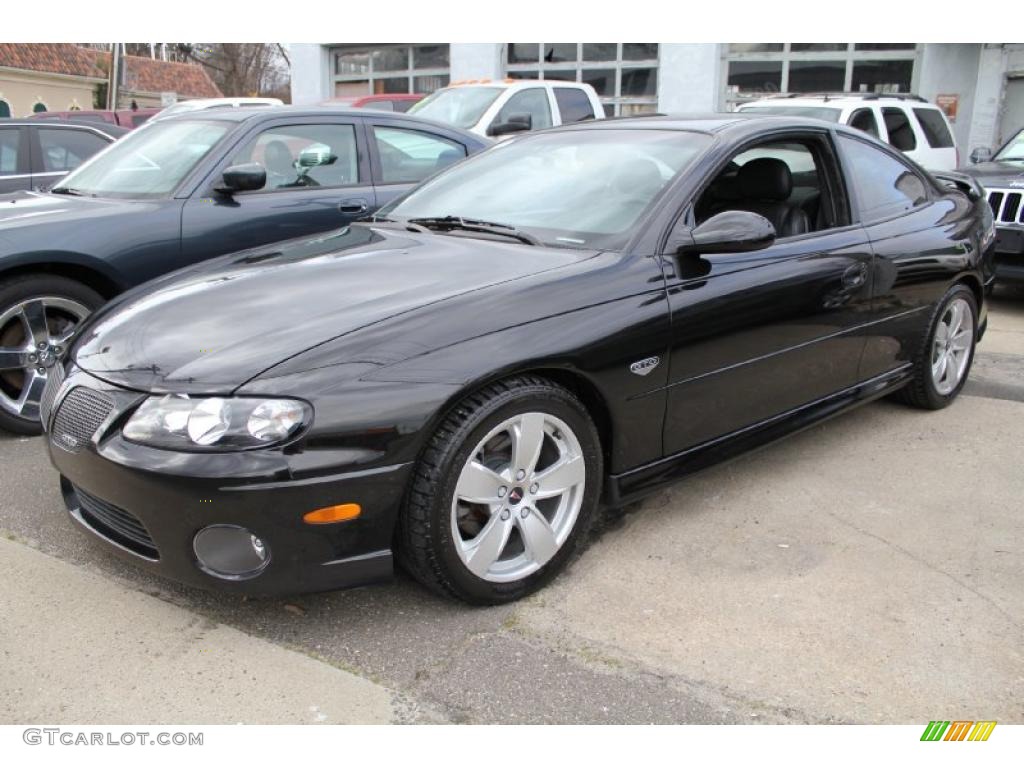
x=150, y=162
x=1014, y=149
x=579, y=188
x=819, y=113
x=462, y=107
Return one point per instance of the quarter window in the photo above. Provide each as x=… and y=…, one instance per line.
x=532, y=102
x=65, y=150
x=864, y=120
x=10, y=139
x=409, y=156
x=299, y=156
x=934, y=127
x=883, y=185
x=573, y=104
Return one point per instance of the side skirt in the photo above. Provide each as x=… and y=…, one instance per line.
x=636, y=483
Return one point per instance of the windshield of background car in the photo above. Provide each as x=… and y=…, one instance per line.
x=819, y=113
x=150, y=162
x=1014, y=150
x=462, y=107
x=579, y=188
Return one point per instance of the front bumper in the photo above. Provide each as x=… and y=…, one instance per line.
x=122, y=493
x=1009, y=255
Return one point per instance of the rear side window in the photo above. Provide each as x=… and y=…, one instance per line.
x=934, y=127
x=409, y=156
x=10, y=140
x=901, y=132
x=882, y=185
x=65, y=149
x=574, y=105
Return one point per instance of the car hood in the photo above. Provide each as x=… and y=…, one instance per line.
x=212, y=328
x=29, y=211
x=997, y=174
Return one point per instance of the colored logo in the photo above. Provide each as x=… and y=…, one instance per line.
x=958, y=730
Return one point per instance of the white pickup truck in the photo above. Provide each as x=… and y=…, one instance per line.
x=500, y=108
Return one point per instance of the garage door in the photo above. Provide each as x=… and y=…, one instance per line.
x=1013, y=109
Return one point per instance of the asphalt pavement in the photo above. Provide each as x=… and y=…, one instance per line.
x=868, y=570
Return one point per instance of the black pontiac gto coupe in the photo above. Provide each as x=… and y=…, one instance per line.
x=571, y=318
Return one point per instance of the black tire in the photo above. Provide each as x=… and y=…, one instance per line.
x=426, y=548
x=17, y=289
x=921, y=391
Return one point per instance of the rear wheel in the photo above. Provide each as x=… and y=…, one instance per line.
x=503, y=494
x=38, y=315
x=943, y=362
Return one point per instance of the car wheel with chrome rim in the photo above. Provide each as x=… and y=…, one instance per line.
x=503, y=493
x=943, y=362
x=38, y=316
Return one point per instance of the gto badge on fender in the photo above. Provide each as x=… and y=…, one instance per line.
x=645, y=366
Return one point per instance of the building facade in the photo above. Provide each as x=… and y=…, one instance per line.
x=981, y=86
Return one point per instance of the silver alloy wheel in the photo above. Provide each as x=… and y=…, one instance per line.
x=517, y=497
x=954, y=337
x=33, y=335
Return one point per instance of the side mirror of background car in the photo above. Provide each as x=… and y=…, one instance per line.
x=315, y=156
x=515, y=124
x=725, y=232
x=981, y=155
x=242, y=178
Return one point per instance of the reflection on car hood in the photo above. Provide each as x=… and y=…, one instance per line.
x=209, y=329
x=997, y=174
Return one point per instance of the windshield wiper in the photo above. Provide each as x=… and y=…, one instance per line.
x=67, y=191
x=448, y=223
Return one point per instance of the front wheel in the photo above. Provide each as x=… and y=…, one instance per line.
x=943, y=362
x=503, y=494
x=38, y=316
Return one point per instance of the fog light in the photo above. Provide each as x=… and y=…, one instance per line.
x=230, y=552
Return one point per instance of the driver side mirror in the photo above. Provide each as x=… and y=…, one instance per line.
x=981, y=155
x=515, y=124
x=725, y=232
x=242, y=178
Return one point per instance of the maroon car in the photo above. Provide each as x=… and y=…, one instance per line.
x=390, y=102
x=126, y=118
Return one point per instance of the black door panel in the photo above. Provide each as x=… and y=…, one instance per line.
x=785, y=332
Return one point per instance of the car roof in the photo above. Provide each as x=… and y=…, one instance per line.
x=710, y=122
x=103, y=127
x=841, y=100
x=258, y=114
x=511, y=83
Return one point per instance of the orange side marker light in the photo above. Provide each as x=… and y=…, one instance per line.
x=336, y=514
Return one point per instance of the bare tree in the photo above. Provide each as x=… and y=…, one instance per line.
x=243, y=69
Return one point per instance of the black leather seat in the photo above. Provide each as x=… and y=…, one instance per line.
x=765, y=185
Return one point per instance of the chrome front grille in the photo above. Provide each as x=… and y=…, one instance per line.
x=1007, y=205
x=81, y=413
x=53, y=381
x=116, y=524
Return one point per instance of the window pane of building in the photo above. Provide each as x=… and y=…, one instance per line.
x=352, y=63
x=809, y=76
x=882, y=76
x=639, y=51
x=602, y=80
x=529, y=74
x=391, y=85
x=389, y=59
x=600, y=51
x=556, y=52
x=639, y=82
x=523, y=53
x=430, y=56
x=429, y=83
x=755, y=77
x=560, y=74
x=802, y=47
x=637, y=109
x=884, y=46
x=755, y=47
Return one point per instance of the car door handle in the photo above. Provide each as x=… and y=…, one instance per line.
x=355, y=205
x=855, y=275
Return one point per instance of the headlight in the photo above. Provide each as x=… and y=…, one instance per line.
x=215, y=423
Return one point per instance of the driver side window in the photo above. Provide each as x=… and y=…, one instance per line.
x=532, y=102
x=299, y=156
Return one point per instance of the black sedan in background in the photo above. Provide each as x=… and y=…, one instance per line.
x=579, y=315
x=36, y=155
x=181, y=190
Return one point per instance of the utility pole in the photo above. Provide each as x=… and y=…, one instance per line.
x=116, y=75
